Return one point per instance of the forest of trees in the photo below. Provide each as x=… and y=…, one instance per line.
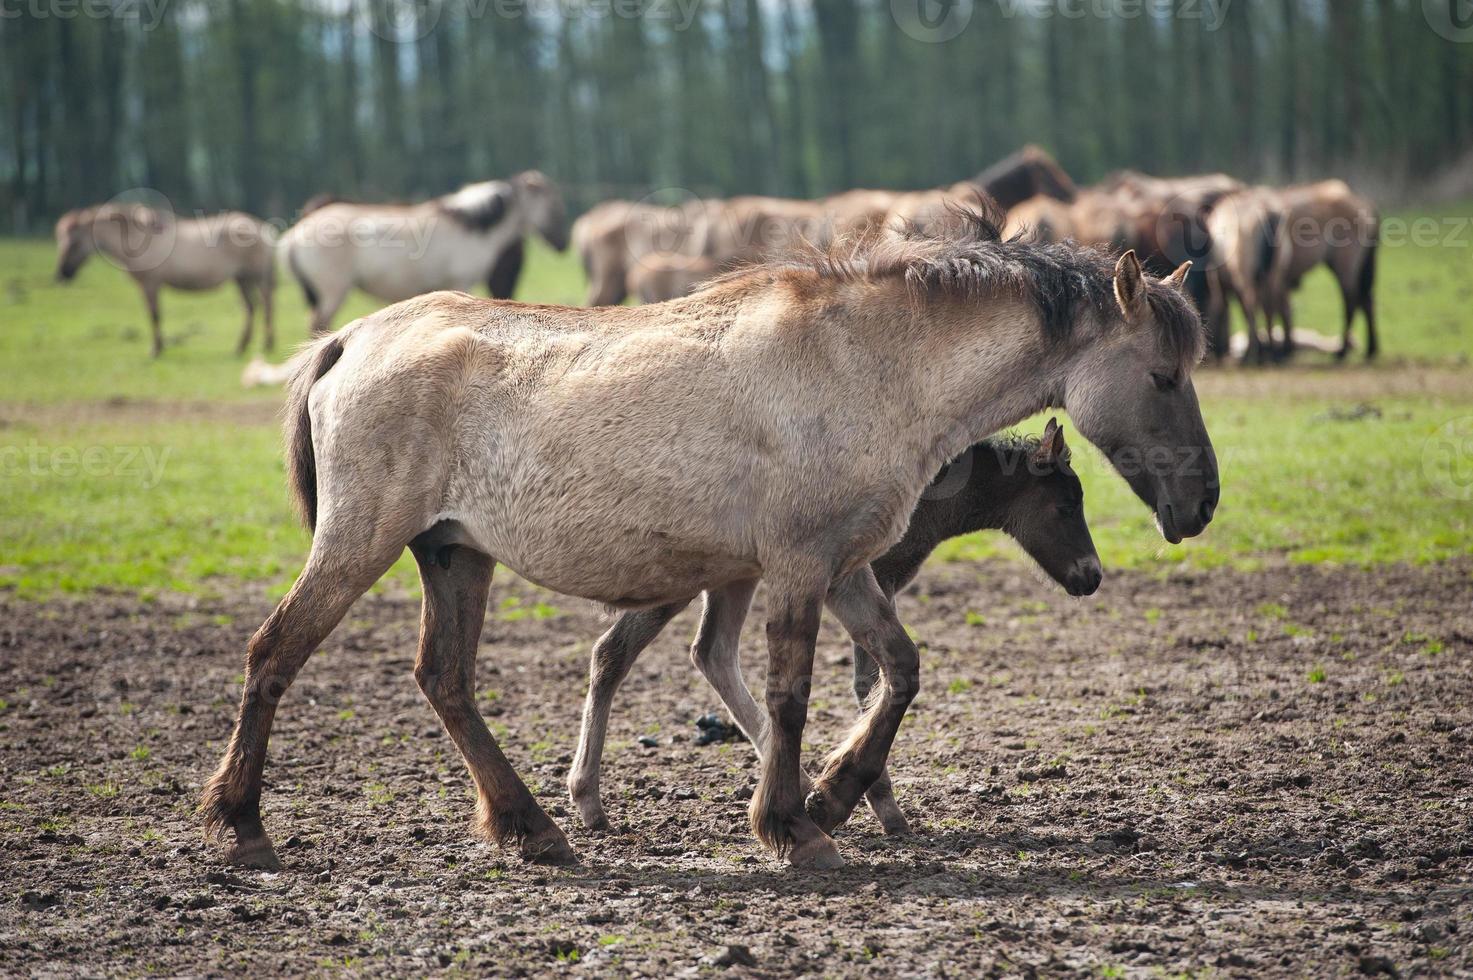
x=259, y=104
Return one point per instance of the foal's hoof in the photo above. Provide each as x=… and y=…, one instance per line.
x=549, y=847
x=255, y=852
x=818, y=854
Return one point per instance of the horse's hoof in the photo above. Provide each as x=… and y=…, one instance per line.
x=549, y=847
x=256, y=852
x=818, y=854
x=892, y=821
x=823, y=811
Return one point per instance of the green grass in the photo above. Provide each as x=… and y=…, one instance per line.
x=112, y=476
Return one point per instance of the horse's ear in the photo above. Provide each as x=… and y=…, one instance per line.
x=1178, y=279
x=1130, y=287
x=1057, y=445
x=148, y=219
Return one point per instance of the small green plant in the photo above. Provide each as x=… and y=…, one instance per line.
x=1273, y=610
x=959, y=685
x=975, y=619
x=1316, y=674
x=103, y=791
x=141, y=753
x=1153, y=616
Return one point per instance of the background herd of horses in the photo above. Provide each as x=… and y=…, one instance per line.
x=1249, y=245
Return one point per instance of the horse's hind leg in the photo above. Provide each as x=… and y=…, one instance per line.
x=881, y=795
x=613, y=655
x=851, y=769
x=456, y=581
x=317, y=601
x=267, y=286
x=249, y=300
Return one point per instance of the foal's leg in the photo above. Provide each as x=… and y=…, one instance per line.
x=246, y=286
x=317, y=601
x=881, y=795
x=851, y=769
x=456, y=580
x=613, y=655
x=777, y=813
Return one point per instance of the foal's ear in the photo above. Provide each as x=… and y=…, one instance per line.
x=1178, y=279
x=1051, y=446
x=1130, y=288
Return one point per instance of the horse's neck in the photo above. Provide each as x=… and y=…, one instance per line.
x=986, y=372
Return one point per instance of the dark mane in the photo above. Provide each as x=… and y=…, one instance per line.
x=964, y=256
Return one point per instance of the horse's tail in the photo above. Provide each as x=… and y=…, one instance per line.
x=1268, y=248
x=301, y=461
x=1367, y=285
x=309, y=292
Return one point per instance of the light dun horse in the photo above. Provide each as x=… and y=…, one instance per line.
x=396, y=251
x=780, y=424
x=1022, y=486
x=158, y=249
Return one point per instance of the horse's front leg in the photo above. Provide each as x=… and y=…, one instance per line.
x=777, y=813
x=249, y=301
x=854, y=767
x=155, y=315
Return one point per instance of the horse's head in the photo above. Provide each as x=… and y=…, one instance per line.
x=130, y=234
x=545, y=209
x=1131, y=395
x=1041, y=504
x=74, y=242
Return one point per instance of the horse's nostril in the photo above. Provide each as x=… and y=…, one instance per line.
x=1208, y=506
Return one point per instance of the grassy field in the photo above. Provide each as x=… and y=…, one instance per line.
x=125, y=473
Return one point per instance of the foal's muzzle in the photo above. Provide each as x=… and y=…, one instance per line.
x=1084, y=577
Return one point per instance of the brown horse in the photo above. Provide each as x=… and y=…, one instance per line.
x=780, y=424
x=1329, y=224
x=1022, y=486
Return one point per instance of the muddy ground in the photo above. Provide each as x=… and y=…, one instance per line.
x=1220, y=773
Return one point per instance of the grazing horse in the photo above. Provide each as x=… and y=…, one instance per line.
x=1328, y=223
x=780, y=424
x=158, y=249
x=1021, y=486
x=396, y=251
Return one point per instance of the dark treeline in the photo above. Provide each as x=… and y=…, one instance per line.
x=261, y=103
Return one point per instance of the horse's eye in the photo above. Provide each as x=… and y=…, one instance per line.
x=1164, y=382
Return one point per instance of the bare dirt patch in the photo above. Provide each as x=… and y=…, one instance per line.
x=1246, y=774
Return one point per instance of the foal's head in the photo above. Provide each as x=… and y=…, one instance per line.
x=1036, y=498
